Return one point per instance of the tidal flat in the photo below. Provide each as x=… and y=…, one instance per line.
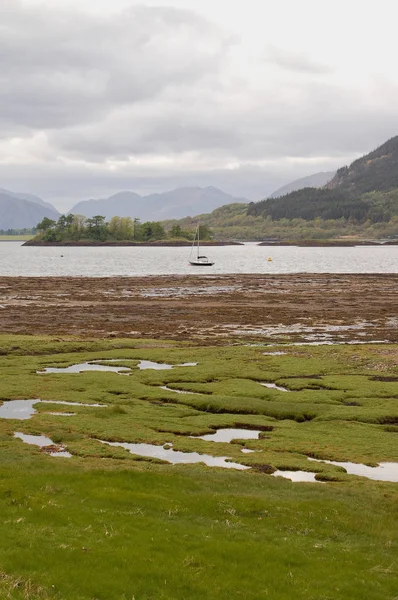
x=105, y=523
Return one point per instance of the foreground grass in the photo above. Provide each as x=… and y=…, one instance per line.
x=108, y=525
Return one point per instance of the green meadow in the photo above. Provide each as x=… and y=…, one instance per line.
x=106, y=524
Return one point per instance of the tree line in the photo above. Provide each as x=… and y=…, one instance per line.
x=327, y=204
x=80, y=228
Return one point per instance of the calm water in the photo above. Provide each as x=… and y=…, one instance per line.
x=17, y=260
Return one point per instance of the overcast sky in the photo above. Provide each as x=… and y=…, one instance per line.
x=98, y=96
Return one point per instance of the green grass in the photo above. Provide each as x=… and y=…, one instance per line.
x=15, y=238
x=107, y=524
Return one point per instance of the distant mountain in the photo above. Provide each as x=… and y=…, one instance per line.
x=175, y=204
x=317, y=180
x=18, y=213
x=365, y=191
x=30, y=198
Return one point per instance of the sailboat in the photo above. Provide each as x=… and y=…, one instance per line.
x=199, y=260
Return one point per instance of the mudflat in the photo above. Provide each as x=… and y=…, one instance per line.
x=309, y=308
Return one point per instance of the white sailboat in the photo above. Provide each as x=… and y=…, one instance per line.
x=200, y=260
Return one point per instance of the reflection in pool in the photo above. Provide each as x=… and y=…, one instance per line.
x=43, y=442
x=25, y=409
x=297, y=476
x=387, y=471
x=273, y=386
x=176, y=457
x=167, y=389
x=87, y=366
x=148, y=364
x=227, y=435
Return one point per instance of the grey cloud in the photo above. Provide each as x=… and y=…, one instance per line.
x=160, y=83
x=326, y=120
x=295, y=61
x=60, y=68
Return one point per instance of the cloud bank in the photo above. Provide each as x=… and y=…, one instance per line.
x=159, y=97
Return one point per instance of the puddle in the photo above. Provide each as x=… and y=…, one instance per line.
x=297, y=476
x=186, y=291
x=18, y=409
x=167, y=389
x=387, y=471
x=25, y=409
x=273, y=386
x=273, y=353
x=43, y=442
x=176, y=457
x=247, y=451
x=87, y=366
x=148, y=364
x=62, y=414
x=227, y=435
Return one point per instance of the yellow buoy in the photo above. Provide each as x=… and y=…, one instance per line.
x=269, y=259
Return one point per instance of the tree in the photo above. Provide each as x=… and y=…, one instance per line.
x=45, y=224
x=152, y=230
x=121, y=228
x=78, y=227
x=205, y=232
x=177, y=232
x=96, y=228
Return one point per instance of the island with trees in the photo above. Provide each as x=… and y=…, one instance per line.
x=78, y=230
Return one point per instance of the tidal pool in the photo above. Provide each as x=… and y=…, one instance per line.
x=227, y=435
x=297, y=476
x=273, y=386
x=167, y=389
x=167, y=453
x=148, y=364
x=87, y=366
x=42, y=441
x=385, y=471
x=25, y=409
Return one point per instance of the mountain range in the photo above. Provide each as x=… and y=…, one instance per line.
x=20, y=210
x=317, y=180
x=176, y=204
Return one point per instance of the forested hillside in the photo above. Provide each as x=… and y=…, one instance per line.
x=359, y=196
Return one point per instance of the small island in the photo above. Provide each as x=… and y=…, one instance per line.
x=77, y=230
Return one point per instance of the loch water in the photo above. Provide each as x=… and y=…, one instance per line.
x=250, y=258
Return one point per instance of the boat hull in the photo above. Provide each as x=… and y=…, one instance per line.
x=198, y=263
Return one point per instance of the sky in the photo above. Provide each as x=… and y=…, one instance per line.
x=99, y=96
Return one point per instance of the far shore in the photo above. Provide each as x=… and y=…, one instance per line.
x=149, y=244
x=182, y=243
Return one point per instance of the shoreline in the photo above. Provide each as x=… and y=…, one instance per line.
x=158, y=244
x=165, y=244
x=271, y=309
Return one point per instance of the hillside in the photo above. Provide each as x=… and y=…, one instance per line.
x=377, y=171
x=315, y=181
x=364, y=192
x=176, y=204
x=19, y=213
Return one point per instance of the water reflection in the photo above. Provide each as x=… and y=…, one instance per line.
x=166, y=453
x=25, y=409
x=273, y=386
x=87, y=366
x=227, y=435
x=148, y=364
x=297, y=476
x=43, y=442
x=385, y=471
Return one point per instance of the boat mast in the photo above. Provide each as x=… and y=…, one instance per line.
x=198, y=240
